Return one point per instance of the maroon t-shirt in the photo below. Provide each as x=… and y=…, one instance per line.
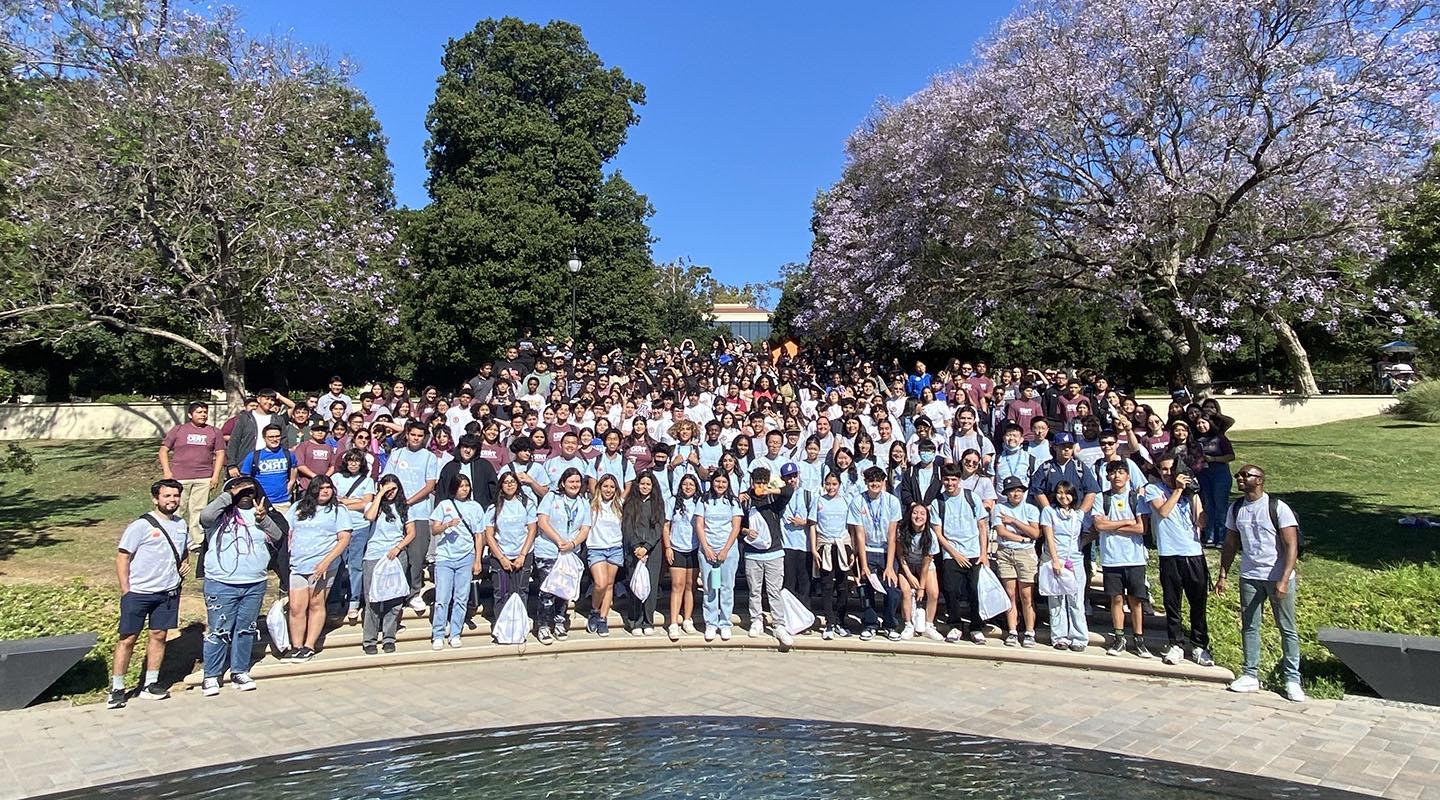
x=318, y=456
x=554, y=433
x=497, y=455
x=192, y=450
x=978, y=389
x=1024, y=412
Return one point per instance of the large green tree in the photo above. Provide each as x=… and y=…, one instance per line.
x=524, y=120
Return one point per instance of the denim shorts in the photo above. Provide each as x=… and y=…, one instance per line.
x=600, y=555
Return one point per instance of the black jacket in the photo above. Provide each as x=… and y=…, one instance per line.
x=482, y=481
x=644, y=534
x=772, y=510
x=910, y=486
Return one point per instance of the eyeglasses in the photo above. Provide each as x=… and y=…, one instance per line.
x=1107, y=444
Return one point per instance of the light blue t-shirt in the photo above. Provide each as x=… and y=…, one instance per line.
x=717, y=516
x=512, y=524
x=567, y=516
x=534, y=470
x=792, y=536
x=384, y=535
x=457, y=543
x=960, y=521
x=311, y=539
x=1014, y=463
x=1175, y=535
x=1065, y=528
x=710, y=454
x=1023, y=512
x=831, y=515
x=810, y=473
x=556, y=466
x=365, y=487
x=414, y=468
x=1119, y=549
x=682, y=526
x=874, y=516
x=618, y=465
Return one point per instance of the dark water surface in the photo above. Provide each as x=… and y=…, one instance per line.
x=729, y=757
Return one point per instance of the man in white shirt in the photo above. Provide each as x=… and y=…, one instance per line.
x=152, y=560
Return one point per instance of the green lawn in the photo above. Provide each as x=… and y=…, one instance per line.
x=1349, y=482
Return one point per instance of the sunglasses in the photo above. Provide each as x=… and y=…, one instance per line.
x=1244, y=475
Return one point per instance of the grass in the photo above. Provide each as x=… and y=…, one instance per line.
x=1421, y=403
x=1347, y=481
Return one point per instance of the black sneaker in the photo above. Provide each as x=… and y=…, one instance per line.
x=370, y=649
x=117, y=699
x=388, y=647
x=303, y=654
x=543, y=634
x=867, y=634
x=562, y=630
x=892, y=634
x=154, y=691
x=289, y=655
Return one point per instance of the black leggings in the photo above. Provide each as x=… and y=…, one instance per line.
x=955, y=579
x=834, y=602
x=1187, y=577
x=797, y=575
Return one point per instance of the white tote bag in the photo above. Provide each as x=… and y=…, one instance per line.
x=917, y=615
x=278, y=624
x=993, y=600
x=798, y=618
x=762, y=531
x=564, y=578
x=388, y=581
x=1052, y=585
x=640, y=580
x=513, y=624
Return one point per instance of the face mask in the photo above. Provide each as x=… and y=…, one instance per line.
x=927, y=457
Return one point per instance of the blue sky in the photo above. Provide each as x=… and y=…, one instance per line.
x=748, y=103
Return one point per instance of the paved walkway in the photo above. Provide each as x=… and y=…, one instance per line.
x=1355, y=745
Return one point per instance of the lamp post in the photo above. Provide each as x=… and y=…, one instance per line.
x=574, y=265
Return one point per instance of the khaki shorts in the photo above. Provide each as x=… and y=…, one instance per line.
x=1017, y=564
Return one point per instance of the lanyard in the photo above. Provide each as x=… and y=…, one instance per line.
x=875, y=520
x=572, y=510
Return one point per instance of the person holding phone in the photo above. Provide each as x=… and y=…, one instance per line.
x=390, y=535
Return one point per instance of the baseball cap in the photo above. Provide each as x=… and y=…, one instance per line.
x=788, y=469
x=1063, y=438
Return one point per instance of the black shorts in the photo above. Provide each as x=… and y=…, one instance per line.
x=162, y=609
x=1128, y=581
x=686, y=560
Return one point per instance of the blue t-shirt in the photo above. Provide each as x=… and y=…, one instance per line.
x=1175, y=535
x=682, y=526
x=311, y=539
x=874, y=516
x=271, y=469
x=534, y=470
x=557, y=465
x=384, y=535
x=810, y=474
x=1023, y=512
x=567, y=516
x=365, y=486
x=618, y=465
x=1119, y=549
x=717, y=517
x=831, y=515
x=457, y=543
x=1065, y=528
x=792, y=536
x=512, y=524
x=959, y=521
x=414, y=468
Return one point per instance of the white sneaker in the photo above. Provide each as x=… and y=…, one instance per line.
x=933, y=635
x=673, y=632
x=724, y=634
x=455, y=641
x=954, y=635
x=1245, y=684
x=1173, y=655
x=437, y=644
x=757, y=629
x=1202, y=657
x=211, y=687
x=827, y=633
x=786, y=640
x=1294, y=693
x=710, y=634
x=689, y=627
x=242, y=682
x=417, y=604
x=908, y=632
x=352, y=615
x=637, y=631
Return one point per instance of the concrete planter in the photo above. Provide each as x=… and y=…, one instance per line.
x=1397, y=667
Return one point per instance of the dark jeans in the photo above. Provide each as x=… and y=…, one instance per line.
x=834, y=602
x=416, y=553
x=959, y=583
x=798, y=577
x=504, y=584
x=873, y=605
x=1188, y=577
x=550, y=611
x=642, y=612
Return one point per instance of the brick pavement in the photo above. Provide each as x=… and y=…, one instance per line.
x=1366, y=747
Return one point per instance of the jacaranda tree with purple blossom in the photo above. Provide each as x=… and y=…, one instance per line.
x=180, y=179
x=1191, y=163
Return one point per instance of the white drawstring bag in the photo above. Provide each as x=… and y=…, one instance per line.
x=993, y=600
x=640, y=580
x=388, y=581
x=917, y=614
x=762, y=531
x=564, y=578
x=1064, y=584
x=798, y=618
x=278, y=624
x=513, y=624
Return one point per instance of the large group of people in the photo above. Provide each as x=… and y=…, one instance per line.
x=883, y=501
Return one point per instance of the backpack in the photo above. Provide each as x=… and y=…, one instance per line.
x=969, y=498
x=1274, y=508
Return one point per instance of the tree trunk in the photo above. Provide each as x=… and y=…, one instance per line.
x=1188, y=346
x=1304, y=377
x=232, y=371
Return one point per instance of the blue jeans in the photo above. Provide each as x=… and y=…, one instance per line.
x=230, y=614
x=349, y=585
x=720, y=599
x=1253, y=594
x=1215, y=482
x=873, y=609
x=452, y=595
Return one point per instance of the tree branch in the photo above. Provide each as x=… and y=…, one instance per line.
x=174, y=337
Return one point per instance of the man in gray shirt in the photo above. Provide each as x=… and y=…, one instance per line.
x=151, y=561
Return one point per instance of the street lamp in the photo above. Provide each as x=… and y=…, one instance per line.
x=574, y=265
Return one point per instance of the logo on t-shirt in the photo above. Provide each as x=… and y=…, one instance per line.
x=200, y=439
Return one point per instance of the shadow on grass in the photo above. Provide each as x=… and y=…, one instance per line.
x=1342, y=527
x=25, y=518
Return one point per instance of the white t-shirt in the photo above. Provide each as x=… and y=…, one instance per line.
x=152, y=562
x=261, y=421
x=1259, y=541
x=605, y=530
